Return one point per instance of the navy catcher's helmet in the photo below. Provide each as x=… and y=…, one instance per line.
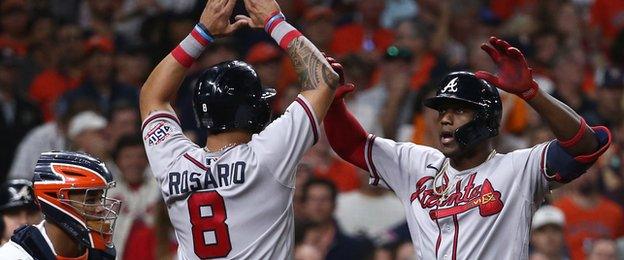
x=62, y=177
x=463, y=87
x=17, y=193
x=230, y=96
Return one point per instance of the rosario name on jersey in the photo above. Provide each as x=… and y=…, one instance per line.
x=235, y=203
x=479, y=213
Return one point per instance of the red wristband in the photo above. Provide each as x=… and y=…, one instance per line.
x=531, y=92
x=281, y=31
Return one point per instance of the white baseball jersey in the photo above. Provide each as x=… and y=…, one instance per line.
x=488, y=209
x=236, y=203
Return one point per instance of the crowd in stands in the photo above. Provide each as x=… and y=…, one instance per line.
x=71, y=71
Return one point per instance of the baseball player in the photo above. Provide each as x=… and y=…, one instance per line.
x=70, y=189
x=466, y=201
x=233, y=197
x=17, y=206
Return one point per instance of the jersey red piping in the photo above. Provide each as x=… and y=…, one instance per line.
x=157, y=115
x=310, y=116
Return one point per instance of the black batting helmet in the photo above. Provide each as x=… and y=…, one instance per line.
x=17, y=193
x=463, y=87
x=230, y=96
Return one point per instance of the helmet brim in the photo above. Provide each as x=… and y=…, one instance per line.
x=439, y=101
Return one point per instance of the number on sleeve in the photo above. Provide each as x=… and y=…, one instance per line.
x=210, y=233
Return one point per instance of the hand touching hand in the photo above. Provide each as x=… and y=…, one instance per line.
x=216, y=18
x=514, y=74
x=259, y=12
x=343, y=89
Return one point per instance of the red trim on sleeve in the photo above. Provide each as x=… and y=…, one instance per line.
x=158, y=115
x=594, y=156
x=182, y=57
x=310, y=116
x=542, y=164
x=369, y=154
x=198, y=164
x=576, y=138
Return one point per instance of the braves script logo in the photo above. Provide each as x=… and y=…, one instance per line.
x=482, y=196
x=158, y=133
x=451, y=86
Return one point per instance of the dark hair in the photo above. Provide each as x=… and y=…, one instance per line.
x=126, y=141
x=120, y=105
x=322, y=182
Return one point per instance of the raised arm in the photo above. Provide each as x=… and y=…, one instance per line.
x=316, y=76
x=162, y=84
x=578, y=146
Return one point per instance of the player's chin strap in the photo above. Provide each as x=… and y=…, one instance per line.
x=444, y=193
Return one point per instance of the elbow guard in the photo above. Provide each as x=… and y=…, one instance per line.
x=562, y=167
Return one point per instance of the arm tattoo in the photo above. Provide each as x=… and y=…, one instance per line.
x=311, y=66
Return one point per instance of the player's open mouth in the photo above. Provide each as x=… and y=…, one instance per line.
x=446, y=137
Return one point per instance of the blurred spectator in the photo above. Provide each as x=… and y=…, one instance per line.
x=265, y=58
x=132, y=68
x=547, y=233
x=568, y=75
x=327, y=165
x=17, y=207
x=123, y=120
x=100, y=85
x=307, y=252
x=603, y=249
x=18, y=115
x=610, y=89
x=47, y=137
x=14, y=20
x=396, y=10
x=366, y=34
x=381, y=107
x=354, y=210
x=588, y=215
x=388, y=243
x=86, y=134
x=304, y=173
x=606, y=18
x=323, y=232
x=140, y=194
x=49, y=84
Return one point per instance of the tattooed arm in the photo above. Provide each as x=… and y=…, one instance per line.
x=317, y=78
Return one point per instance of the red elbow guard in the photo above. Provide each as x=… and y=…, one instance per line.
x=345, y=134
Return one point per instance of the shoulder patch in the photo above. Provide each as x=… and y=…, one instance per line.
x=158, y=133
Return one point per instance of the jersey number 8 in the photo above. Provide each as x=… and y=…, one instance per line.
x=210, y=233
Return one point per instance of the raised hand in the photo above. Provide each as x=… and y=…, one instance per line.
x=259, y=12
x=514, y=74
x=343, y=88
x=216, y=18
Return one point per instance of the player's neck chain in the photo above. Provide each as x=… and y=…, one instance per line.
x=443, y=194
x=230, y=145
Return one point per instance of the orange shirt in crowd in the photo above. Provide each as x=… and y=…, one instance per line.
x=47, y=87
x=582, y=225
x=608, y=15
x=342, y=174
x=350, y=38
